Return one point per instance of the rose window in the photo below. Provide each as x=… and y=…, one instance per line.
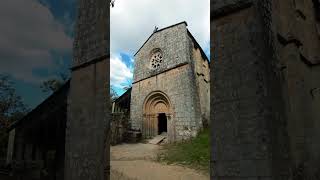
x=156, y=60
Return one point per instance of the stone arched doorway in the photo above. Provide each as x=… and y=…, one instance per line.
x=157, y=115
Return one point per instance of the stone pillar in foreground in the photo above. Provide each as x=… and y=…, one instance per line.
x=87, y=149
x=248, y=129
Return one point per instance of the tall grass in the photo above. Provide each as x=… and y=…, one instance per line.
x=194, y=153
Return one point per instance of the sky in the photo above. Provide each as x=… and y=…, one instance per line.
x=35, y=43
x=36, y=37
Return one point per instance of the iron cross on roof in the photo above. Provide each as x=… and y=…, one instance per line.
x=155, y=29
x=112, y=3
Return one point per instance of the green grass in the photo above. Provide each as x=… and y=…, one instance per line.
x=194, y=153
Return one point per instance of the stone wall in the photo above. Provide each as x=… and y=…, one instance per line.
x=249, y=137
x=87, y=140
x=297, y=50
x=202, y=74
x=175, y=78
x=91, y=37
x=176, y=84
x=174, y=44
x=265, y=95
x=86, y=124
x=118, y=128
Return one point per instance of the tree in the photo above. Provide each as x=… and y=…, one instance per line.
x=53, y=84
x=128, y=85
x=11, y=104
x=12, y=108
x=113, y=94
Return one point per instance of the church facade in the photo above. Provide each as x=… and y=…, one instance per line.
x=170, y=90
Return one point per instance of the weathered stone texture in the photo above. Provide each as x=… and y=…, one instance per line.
x=174, y=44
x=91, y=39
x=119, y=125
x=181, y=77
x=202, y=73
x=265, y=95
x=86, y=124
x=179, y=93
x=223, y=7
x=298, y=51
x=87, y=132
x=244, y=105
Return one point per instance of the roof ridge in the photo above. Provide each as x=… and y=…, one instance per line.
x=182, y=22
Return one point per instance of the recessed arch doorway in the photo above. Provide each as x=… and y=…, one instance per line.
x=157, y=115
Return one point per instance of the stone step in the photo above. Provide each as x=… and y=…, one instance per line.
x=156, y=140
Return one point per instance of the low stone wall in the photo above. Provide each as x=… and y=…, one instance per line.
x=119, y=127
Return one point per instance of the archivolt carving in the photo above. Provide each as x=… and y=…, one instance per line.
x=157, y=102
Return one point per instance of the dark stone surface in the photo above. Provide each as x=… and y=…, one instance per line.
x=91, y=38
x=246, y=105
x=265, y=106
x=223, y=7
x=119, y=127
x=87, y=132
x=297, y=51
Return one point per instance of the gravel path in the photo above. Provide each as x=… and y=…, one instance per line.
x=137, y=162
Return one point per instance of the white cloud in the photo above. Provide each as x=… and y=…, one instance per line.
x=120, y=74
x=132, y=22
x=28, y=34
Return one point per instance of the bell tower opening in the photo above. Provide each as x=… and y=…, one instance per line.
x=162, y=123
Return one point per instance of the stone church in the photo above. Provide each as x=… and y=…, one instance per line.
x=170, y=89
x=170, y=94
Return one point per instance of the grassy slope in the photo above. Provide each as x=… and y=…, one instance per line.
x=194, y=153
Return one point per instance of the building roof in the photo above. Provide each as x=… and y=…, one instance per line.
x=183, y=22
x=51, y=100
x=196, y=44
x=123, y=95
x=204, y=56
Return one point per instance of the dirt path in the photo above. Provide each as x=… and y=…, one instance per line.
x=137, y=162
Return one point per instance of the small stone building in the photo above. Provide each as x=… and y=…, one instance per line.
x=170, y=90
x=122, y=103
x=36, y=147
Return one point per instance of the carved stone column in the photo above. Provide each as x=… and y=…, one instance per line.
x=143, y=124
x=87, y=129
x=154, y=124
x=10, y=148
